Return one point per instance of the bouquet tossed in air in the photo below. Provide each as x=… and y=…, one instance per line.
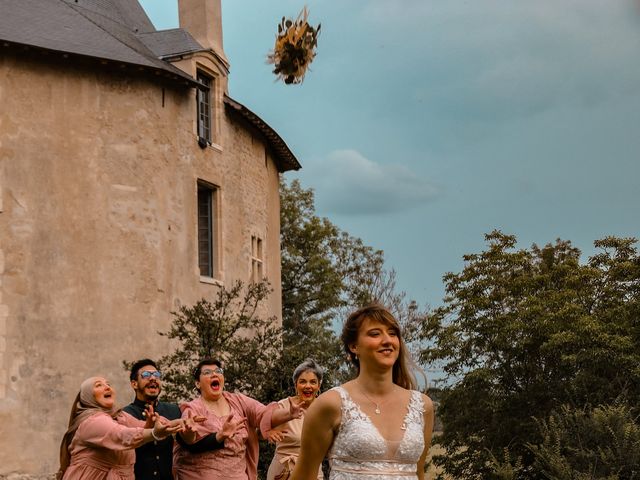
x=295, y=48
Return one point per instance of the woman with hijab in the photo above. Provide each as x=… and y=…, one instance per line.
x=236, y=418
x=307, y=379
x=100, y=441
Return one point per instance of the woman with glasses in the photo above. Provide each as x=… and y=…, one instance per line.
x=154, y=460
x=100, y=441
x=307, y=379
x=236, y=418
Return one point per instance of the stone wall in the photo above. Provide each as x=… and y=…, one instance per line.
x=98, y=190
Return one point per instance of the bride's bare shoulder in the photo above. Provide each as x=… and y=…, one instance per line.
x=327, y=400
x=325, y=409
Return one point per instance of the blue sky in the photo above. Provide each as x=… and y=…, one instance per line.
x=424, y=124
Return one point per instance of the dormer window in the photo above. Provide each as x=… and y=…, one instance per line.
x=204, y=110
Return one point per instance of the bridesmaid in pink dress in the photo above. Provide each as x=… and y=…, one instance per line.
x=236, y=419
x=100, y=441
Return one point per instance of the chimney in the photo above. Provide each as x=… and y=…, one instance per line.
x=203, y=20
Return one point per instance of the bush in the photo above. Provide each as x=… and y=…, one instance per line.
x=230, y=329
x=581, y=443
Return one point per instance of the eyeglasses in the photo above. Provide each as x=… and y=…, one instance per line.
x=148, y=374
x=207, y=372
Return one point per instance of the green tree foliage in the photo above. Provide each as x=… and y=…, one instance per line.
x=230, y=329
x=589, y=444
x=311, y=286
x=523, y=331
x=326, y=273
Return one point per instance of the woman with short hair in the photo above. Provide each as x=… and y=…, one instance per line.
x=236, y=418
x=307, y=380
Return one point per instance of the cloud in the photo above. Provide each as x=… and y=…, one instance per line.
x=499, y=59
x=348, y=183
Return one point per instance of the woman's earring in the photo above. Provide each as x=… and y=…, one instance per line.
x=356, y=356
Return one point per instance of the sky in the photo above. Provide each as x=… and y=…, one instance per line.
x=425, y=124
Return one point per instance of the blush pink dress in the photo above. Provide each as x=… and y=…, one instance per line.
x=238, y=459
x=288, y=450
x=103, y=448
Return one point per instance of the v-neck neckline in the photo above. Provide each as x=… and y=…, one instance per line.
x=368, y=418
x=207, y=406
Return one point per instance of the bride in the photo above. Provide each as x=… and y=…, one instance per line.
x=377, y=426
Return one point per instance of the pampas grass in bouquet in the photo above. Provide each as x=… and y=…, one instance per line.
x=295, y=48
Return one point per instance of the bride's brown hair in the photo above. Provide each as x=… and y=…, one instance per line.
x=402, y=369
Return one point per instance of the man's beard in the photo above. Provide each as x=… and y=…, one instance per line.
x=151, y=396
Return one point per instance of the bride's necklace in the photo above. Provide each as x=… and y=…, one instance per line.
x=377, y=410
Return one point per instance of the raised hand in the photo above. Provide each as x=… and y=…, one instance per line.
x=163, y=427
x=230, y=427
x=295, y=408
x=190, y=423
x=189, y=433
x=149, y=415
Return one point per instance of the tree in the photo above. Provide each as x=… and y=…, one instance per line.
x=523, y=332
x=230, y=329
x=326, y=274
x=311, y=282
x=311, y=286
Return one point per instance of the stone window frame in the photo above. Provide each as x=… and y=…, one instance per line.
x=257, y=259
x=205, y=95
x=208, y=231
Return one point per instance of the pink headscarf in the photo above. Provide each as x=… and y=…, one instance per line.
x=84, y=406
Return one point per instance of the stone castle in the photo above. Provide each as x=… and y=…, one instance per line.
x=130, y=184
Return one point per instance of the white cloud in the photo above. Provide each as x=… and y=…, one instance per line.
x=498, y=59
x=346, y=182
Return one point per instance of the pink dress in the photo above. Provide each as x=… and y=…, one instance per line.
x=103, y=449
x=238, y=459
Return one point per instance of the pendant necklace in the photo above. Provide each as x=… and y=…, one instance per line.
x=377, y=410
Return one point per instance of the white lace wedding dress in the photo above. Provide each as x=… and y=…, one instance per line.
x=359, y=452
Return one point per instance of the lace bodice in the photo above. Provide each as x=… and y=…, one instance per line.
x=359, y=452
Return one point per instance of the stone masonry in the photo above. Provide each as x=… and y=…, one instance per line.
x=99, y=167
